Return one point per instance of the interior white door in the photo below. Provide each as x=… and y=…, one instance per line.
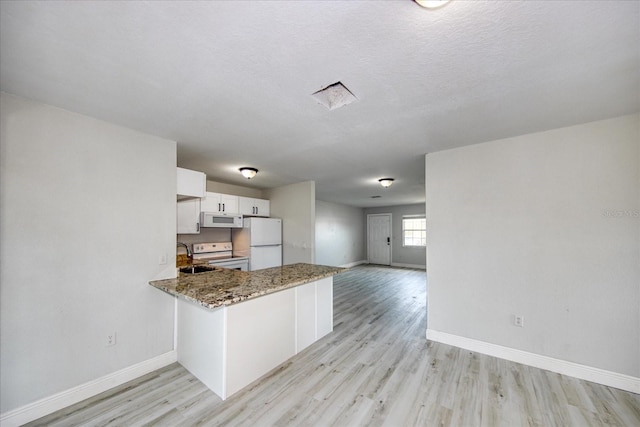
x=379, y=238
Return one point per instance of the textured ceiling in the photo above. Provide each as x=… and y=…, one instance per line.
x=232, y=82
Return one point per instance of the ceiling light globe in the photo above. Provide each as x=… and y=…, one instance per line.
x=386, y=182
x=248, y=172
x=432, y=4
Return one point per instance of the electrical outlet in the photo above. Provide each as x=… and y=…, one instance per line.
x=111, y=339
x=518, y=321
x=162, y=259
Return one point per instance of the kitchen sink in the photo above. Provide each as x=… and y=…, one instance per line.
x=195, y=269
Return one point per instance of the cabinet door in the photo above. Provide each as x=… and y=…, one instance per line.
x=262, y=207
x=324, y=307
x=190, y=183
x=229, y=203
x=245, y=205
x=219, y=203
x=211, y=202
x=254, y=207
x=305, y=316
x=188, y=216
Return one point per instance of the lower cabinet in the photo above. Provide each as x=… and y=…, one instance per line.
x=324, y=304
x=229, y=347
x=201, y=342
x=305, y=315
x=314, y=312
x=259, y=337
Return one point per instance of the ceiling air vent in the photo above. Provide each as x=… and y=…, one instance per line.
x=334, y=96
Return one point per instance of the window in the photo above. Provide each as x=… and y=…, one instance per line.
x=414, y=231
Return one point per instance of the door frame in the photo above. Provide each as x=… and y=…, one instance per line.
x=390, y=215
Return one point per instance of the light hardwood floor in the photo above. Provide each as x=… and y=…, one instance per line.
x=376, y=368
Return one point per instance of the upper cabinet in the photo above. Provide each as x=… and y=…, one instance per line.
x=254, y=207
x=219, y=203
x=190, y=184
x=188, y=216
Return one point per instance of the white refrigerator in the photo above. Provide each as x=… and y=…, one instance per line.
x=260, y=239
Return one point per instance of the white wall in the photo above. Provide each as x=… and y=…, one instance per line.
x=236, y=190
x=206, y=235
x=87, y=209
x=544, y=225
x=340, y=234
x=296, y=205
x=401, y=256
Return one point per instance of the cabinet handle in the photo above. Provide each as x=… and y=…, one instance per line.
x=219, y=207
x=198, y=227
x=256, y=210
x=223, y=207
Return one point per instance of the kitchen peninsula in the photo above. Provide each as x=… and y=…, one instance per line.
x=235, y=326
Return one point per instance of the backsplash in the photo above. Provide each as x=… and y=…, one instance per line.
x=206, y=235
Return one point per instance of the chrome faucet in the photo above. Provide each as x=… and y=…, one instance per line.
x=189, y=254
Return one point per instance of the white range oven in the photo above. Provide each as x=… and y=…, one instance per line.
x=220, y=254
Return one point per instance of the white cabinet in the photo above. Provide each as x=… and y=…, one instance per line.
x=305, y=315
x=229, y=347
x=203, y=357
x=254, y=207
x=260, y=336
x=188, y=216
x=324, y=307
x=219, y=203
x=190, y=183
x=263, y=207
x=230, y=204
x=314, y=312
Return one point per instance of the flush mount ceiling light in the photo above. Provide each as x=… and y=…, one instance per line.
x=386, y=182
x=248, y=172
x=334, y=96
x=432, y=4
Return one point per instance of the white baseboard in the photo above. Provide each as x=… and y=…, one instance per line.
x=418, y=266
x=576, y=370
x=394, y=264
x=61, y=400
x=353, y=264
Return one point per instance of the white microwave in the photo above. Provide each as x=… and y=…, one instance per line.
x=216, y=219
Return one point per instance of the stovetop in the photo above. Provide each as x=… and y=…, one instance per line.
x=218, y=251
x=221, y=258
x=212, y=248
